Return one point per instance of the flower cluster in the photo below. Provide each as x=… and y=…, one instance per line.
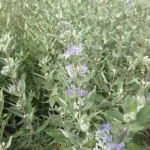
x=74, y=50
x=105, y=140
x=83, y=70
x=76, y=70
x=74, y=91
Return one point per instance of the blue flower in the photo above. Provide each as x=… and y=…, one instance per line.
x=106, y=127
x=108, y=138
x=73, y=89
x=112, y=146
x=120, y=146
x=82, y=92
x=74, y=50
x=105, y=139
x=68, y=53
x=83, y=70
x=79, y=49
x=68, y=93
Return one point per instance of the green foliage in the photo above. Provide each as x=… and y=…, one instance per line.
x=35, y=110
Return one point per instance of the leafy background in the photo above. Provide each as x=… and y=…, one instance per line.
x=116, y=41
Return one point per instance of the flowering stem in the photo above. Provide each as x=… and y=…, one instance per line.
x=15, y=83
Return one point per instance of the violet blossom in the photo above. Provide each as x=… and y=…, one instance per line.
x=83, y=70
x=105, y=139
x=74, y=91
x=74, y=50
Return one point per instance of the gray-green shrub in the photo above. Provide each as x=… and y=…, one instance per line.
x=35, y=110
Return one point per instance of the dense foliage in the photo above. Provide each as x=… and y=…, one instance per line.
x=74, y=74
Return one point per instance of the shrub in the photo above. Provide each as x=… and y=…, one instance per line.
x=74, y=74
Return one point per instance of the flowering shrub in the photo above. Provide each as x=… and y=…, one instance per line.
x=74, y=74
x=104, y=139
